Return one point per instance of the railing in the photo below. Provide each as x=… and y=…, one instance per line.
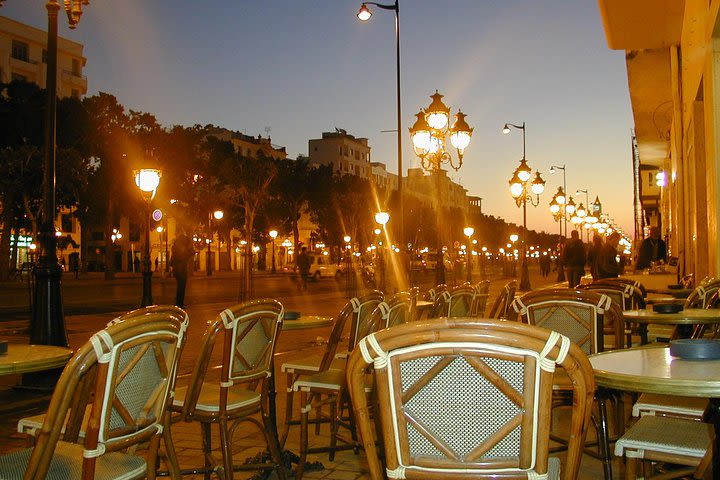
x=70, y=73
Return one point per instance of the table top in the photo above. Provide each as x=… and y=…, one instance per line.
x=654, y=370
x=688, y=316
x=24, y=358
x=307, y=321
x=423, y=304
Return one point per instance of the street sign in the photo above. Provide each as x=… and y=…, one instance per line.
x=157, y=215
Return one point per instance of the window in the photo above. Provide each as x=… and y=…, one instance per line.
x=17, y=76
x=75, y=93
x=44, y=56
x=76, y=67
x=20, y=50
x=97, y=236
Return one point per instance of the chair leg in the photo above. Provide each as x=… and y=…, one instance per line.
x=207, y=448
x=630, y=468
x=226, y=446
x=304, y=413
x=273, y=446
x=152, y=457
x=602, y=435
x=171, y=460
x=288, y=408
x=318, y=418
x=333, y=427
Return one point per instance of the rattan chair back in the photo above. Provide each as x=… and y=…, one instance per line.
x=482, y=293
x=457, y=302
x=627, y=296
x=465, y=398
x=583, y=316
x=624, y=281
x=394, y=311
x=126, y=372
x=363, y=307
x=501, y=305
x=701, y=295
x=250, y=333
x=432, y=294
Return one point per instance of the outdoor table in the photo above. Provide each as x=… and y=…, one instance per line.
x=653, y=370
x=673, y=292
x=24, y=358
x=422, y=308
x=688, y=316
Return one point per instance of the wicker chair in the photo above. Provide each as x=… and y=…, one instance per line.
x=127, y=372
x=584, y=317
x=457, y=302
x=322, y=383
x=31, y=425
x=467, y=398
x=624, y=281
x=482, y=289
x=627, y=297
x=250, y=335
x=670, y=440
x=501, y=305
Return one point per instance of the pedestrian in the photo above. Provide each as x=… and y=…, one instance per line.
x=608, y=265
x=181, y=254
x=545, y=264
x=303, y=265
x=593, y=254
x=652, y=249
x=574, y=260
x=157, y=262
x=136, y=264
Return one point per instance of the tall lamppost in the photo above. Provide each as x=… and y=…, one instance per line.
x=147, y=180
x=561, y=208
x=468, y=231
x=217, y=215
x=364, y=14
x=48, y=319
x=524, y=190
x=273, y=234
x=382, y=218
x=429, y=140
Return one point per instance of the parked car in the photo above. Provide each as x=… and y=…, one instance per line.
x=320, y=267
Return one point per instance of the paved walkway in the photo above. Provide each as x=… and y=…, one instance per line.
x=293, y=345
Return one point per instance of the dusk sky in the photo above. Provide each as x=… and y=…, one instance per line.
x=303, y=68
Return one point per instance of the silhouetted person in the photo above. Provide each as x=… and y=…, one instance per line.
x=574, y=259
x=593, y=255
x=652, y=249
x=182, y=253
x=303, y=265
x=545, y=265
x=608, y=266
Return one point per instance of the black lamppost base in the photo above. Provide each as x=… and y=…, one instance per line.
x=48, y=322
x=147, y=298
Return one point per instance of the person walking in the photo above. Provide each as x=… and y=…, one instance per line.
x=608, y=265
x=593, y=255
x=574, y=260
x=182, y=252
x=303, y=265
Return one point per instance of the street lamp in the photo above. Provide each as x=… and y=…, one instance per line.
x=468, y=231
x=273, y=234
x=217, y=215
x=382, y=218
x=364, y=14
x=429, y=135
x=47, y=326
x=523, y=190
x=147, y=180
x=559, y=207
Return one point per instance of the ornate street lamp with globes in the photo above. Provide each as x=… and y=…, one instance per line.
x=524, y=190
x=147, y=180
x=273, y=234
x=429, y=137
x=468, y=231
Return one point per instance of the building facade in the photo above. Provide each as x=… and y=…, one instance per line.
x=247, y=146
x=672, y=51
x=346, y=154
x=23, y=56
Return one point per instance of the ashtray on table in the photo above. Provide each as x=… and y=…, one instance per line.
x=667, y=307
x=675, y=286
x=695, y=349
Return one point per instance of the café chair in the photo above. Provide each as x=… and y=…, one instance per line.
x=585, y=317
x=323, y=379
x=466, y=398
x=624, y=281
x=248, y=334
x=627, y=297
x=501, y=305
x=457, y=302
x=127, y=373
x=482, y=292
x=432, y=294
x=669, y=440
x=328, y=387
x=701, y=295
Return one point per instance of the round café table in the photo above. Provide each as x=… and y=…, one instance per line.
x=307, y=321
x=688, y=316
x=24, y=358
x=654, y=370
